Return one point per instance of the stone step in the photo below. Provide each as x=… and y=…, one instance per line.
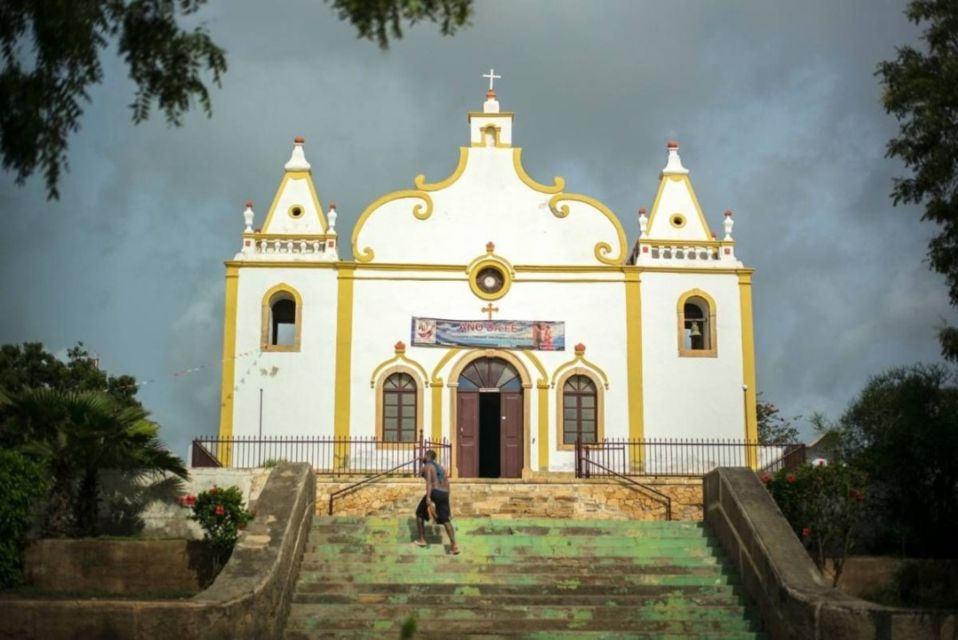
x=325, y=524
x=316, y=619
x=343, y=634
x=547, y=570
x=441, y=560
x=521, y=548
x=534, y=597
x=557, y=589
x=486, y=577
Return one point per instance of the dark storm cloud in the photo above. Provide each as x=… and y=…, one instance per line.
x=775, y=105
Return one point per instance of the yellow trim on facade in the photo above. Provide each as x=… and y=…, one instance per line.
x=558, y=182
x=602, y=249
x=344, y=344
x=224, y=453
x=496, y=132
x=712, y=351
x=543, y=435
x=420, y=213
x=499, y=266
x=599, y=406
x=492, y=114
x=377, y=385
x=633, y=351
x=266, y=307
x=422, y=185
x=748, y=366
x=456, y=371
x=580, y=362
x=437, y=393
x=296, y=175
x=663, y=181
x=399, y=359
x=286, y=236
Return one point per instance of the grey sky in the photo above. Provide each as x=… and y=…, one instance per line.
x=774, y=103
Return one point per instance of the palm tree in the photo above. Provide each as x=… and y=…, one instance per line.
x=78, y=434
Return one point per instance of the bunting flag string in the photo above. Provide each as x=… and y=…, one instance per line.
x=191, y=370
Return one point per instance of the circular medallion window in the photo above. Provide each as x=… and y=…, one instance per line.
x=296, y=211
x=489, y=279
x=677, y=220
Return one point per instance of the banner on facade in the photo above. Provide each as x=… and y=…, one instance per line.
x=501, y=334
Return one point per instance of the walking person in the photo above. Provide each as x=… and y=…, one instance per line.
x=436, y=501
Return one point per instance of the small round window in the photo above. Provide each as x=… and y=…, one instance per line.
x=490, y=280
x=677, y=220
x=295, y=211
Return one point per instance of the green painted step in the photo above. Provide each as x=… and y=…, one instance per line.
x=518, y=578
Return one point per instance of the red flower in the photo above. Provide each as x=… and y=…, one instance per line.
x=190, y=501
x=855, y=494
x=766, y=478
x=790, y=478
x=806, y=532
x=219, y=510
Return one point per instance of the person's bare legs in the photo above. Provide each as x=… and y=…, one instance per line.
x=421, y=526
x=452, y=537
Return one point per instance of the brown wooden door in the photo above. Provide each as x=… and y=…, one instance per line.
x=467, y=415
x=511, y=434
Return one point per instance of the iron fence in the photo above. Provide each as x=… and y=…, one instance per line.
x=334, y=456
x=681, y=457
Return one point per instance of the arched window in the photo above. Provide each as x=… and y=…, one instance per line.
x=696, y=325
x=579, y=411
x=282, y=319
x=399, y=408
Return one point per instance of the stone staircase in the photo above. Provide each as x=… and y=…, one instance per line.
x=530, y=578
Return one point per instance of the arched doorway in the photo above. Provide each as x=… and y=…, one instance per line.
x=489, y=417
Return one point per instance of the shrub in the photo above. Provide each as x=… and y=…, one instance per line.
x=221, y=514
x=823, y=504
x=22, y=482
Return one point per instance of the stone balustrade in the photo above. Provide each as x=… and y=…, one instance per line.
x=688, y=254
x=272, y=247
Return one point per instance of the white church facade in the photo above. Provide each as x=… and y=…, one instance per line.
x=508, y=316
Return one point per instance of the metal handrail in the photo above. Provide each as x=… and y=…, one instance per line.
x=366, y=481
x=668, y=500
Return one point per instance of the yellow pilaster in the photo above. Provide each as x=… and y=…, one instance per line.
x=543, y=387
x=436, y=409
x=344, y=346
x=748, y=365
x=229, y=363
x=633, y=339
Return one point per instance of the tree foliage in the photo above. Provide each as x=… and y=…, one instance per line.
x=773, y=428
x=22, y=481
x=823, y=504
x=51, y=57
x=902, y=431
x=921, y=91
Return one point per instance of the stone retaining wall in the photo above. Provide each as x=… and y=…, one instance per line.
x=118, y=567
x=542, y=498
x=794, y=600
x=249, y=599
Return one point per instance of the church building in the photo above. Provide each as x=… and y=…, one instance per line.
x=506, y=315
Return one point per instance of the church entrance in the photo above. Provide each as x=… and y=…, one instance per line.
x=489, y=413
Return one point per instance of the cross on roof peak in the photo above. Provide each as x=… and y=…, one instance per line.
x=492, y=78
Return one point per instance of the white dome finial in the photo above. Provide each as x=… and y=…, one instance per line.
x=729, y=223
x=248, y=217
x=297, y=161
x=674, y=165
x=331, y=218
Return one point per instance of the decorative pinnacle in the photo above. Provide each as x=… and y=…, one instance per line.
x=491, y=94
x=728, y=213
x=400, y=347
x=580, y=349
x=490, y=247
x=249, y=204
x=297, y=160
x=642, y=211
x=299, y=140
x=672, y=144
x=332, y=205
x=674, y=165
